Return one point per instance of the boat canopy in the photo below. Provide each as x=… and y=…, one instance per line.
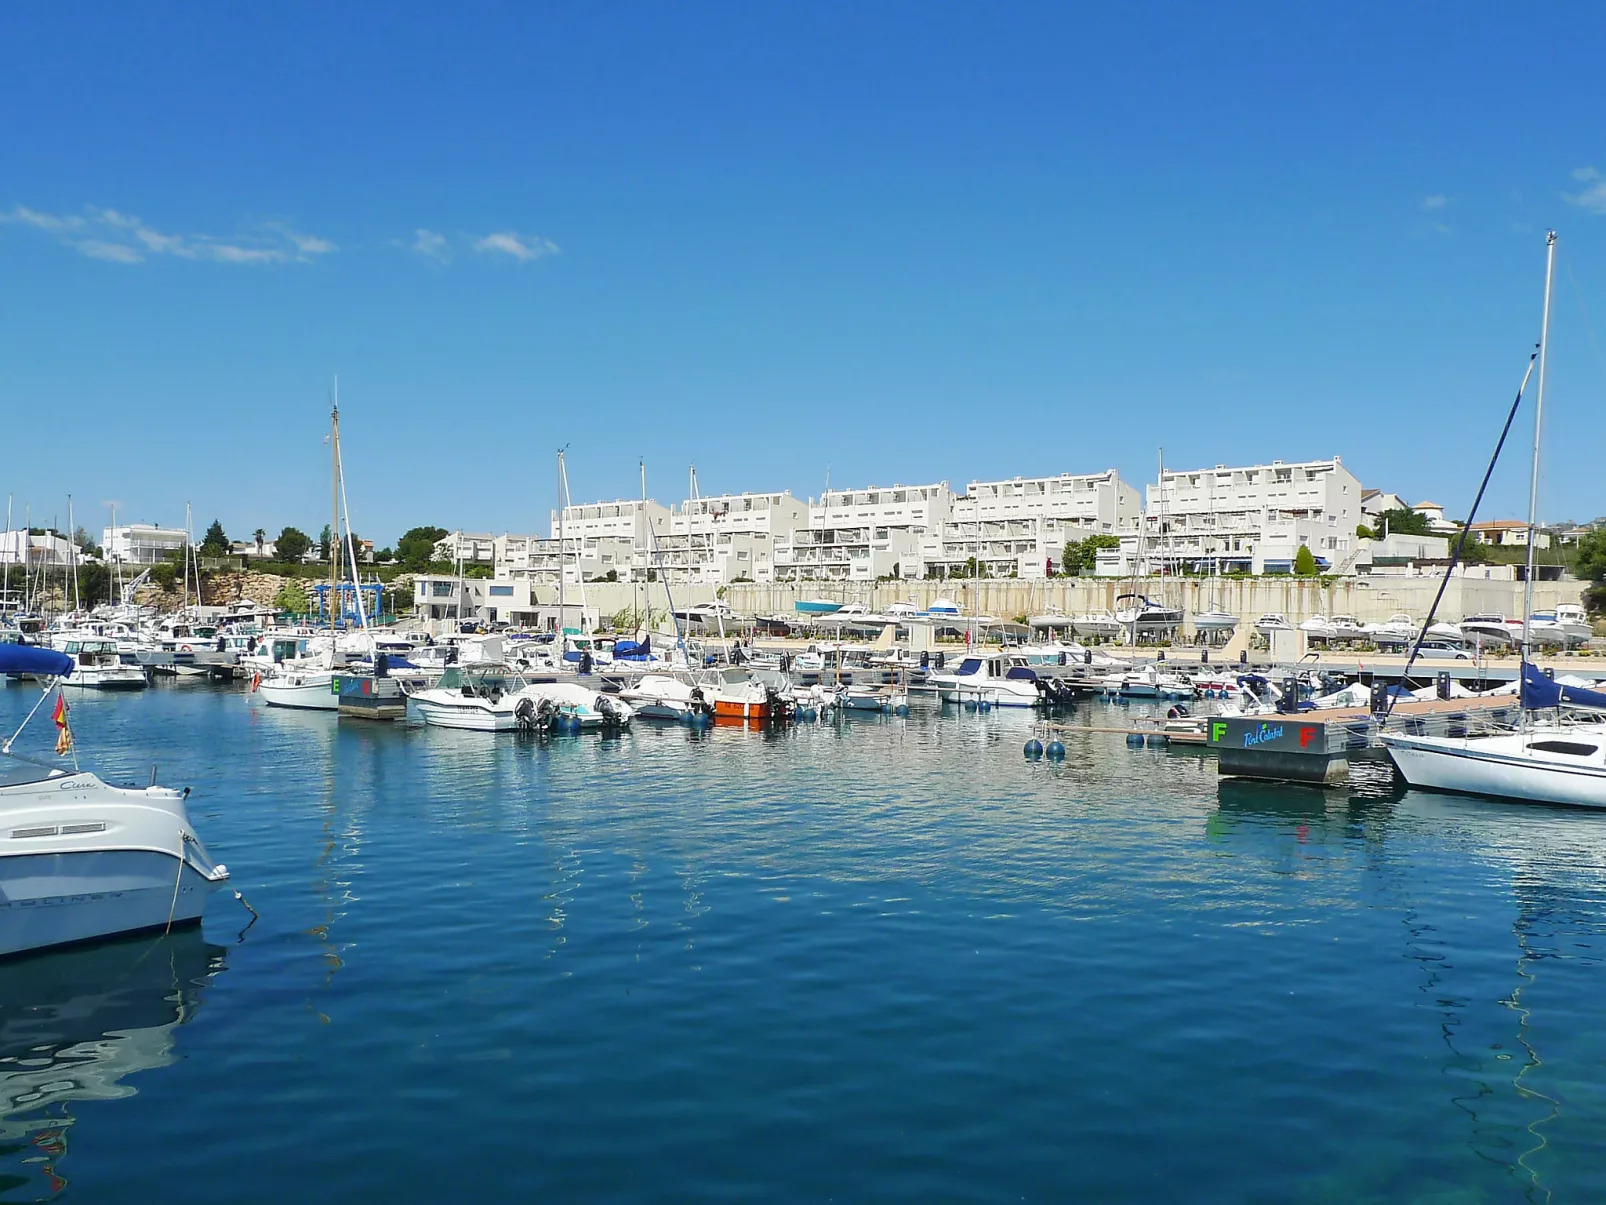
x=30, y=659
x=1540, y=692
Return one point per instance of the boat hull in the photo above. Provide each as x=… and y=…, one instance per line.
x=54, y=899
x=1450, y=764
x=310, y=694
x=738, y=709
x=468, y=719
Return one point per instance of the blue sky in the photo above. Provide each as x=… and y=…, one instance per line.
x=906, y=241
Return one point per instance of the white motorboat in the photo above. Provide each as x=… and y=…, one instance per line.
x=900, y=610
x=85, y=859
x=97, y=665
x=944, y=608
x=1574, y=622
x=749, y=699
x=1398, y=629
x=1097, y=625
x=308, y=685
x=580, y=706
x=1444, y=631
x=1318, y=627
x=1273, y=621
x=483, y=697
x=1490, y=629
x=1347, y=628
x=1050, y=620
x=666, y=697
x=889, y=700
x=1147, y=682
x=985, y=681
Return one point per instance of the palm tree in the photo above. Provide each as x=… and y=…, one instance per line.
x=260, y=537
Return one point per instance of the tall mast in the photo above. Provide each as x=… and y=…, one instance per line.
x=562, y=594
x=334, y=503
x=5, y=589
x=72, y=554
x=641, y=596
x=1539, y=418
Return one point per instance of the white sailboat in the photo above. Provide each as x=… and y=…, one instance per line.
x=1550, y=760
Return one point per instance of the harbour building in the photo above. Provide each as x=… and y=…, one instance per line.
x=1251, y=519
x=142, y=543
x=864, y=534
x=1019, y=527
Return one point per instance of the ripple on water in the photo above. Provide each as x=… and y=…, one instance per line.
x=871, y=961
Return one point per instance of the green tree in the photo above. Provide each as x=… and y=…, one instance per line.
x=1591, y=562
x=384, y=556
x=94, y=583
x=1402, y=522
x=324, y=537
x=292, y=596
x=214, y=543
x=416, y=549
x=1363, y=532
x=259, y=538
x=1305, y=562
x=292, y=545
x=1082, y=556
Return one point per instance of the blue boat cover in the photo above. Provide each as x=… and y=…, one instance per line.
x=1540, y=692
x=30, y=659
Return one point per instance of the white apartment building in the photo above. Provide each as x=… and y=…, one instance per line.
x=863, y=534
x=582, y=559
x=470, y=548
x=844, y=554
x=629, y=518
x=438, y=597
x=1019, y=527
x=142, y=543
x=1252, y=519
x=917, y=508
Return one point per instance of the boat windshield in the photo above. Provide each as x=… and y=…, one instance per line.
x=477, y=683
x=969, y=665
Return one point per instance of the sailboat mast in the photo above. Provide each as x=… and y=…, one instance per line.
x=334, y=503
x=72, y=554
x=562, y=611
x=5, y=589
x=1539, y=418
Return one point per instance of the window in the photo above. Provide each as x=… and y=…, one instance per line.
x=1570, y=748
x=501, y=591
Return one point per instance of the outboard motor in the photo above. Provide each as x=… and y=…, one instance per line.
x=1380, y=695
x=381, y=665
x=610, y=710
x=1063, y=660
x=524, y=714
x=1087, y=656
x=585, y=662
x=942, y=660
x=925, y=660
x=1243, y=657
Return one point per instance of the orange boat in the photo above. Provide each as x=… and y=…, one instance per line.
x=744, y=701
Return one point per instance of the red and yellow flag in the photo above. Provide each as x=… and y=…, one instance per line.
x=64, y=739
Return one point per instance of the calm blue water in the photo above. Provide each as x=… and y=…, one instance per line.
x=885, y=960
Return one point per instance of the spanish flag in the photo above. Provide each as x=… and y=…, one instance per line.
x=64, y=740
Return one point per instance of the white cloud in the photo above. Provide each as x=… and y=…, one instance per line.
x=117, y=253
x=123, y=238
x=523, y=248
x=1437, y=201
x=1591, y=197
x=22, y=215
x=430, y=245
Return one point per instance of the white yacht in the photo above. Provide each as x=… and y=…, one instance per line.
x=1273, y=621
x=1147, y=682
x=986, y=681
x=1097, y=625
x=84, y=859
x=1347, y=628
x=1398, y=629
x=1318, y=627
x=668, y=697
x=483, y=697
x=1050, y=620
x=97, y=665
x=308, y=685
x=1490, y=629
x=582, y=707
x=1145, y=617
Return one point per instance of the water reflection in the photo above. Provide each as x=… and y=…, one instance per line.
x=74, y=1025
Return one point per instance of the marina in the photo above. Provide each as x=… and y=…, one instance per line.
x=658, y=929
